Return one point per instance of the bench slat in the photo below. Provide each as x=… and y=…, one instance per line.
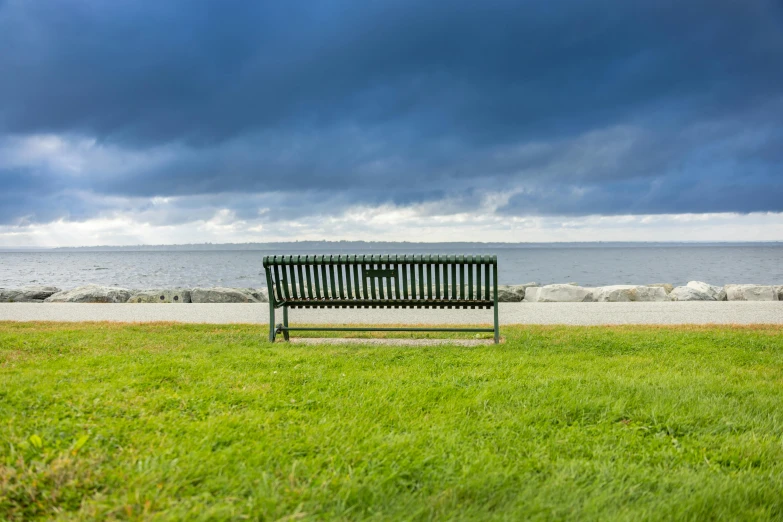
x=381, y=293
x=495, y=280
x=349, y=291
x=437, y=279
x=365, y=283
x=430, y=282
x=372, y=281
x=470, y=279
x=290, y=271
x=313, y=284
x=282, y=281
x=277, y=268
x=453, y=280
x=461, y=261
x=300, y=280
x=332, y=278
x=405, y=278
x=340, y=281
x=486, y=281
x=411, y=284
x=397, y=279
x=477, y=268
x=331, y=286
x=357, y=287
x=421, y=280
x=389, y=282
x=324, y=283
x=304, y=276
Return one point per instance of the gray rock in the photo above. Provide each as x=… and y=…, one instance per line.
x=751, y=293
x=666, y=286
x=506, y=294
x=161, y=295
x=27, y=294
x=686, y=293
x=716, y=293
x=628, y=293
x=91, y=294
x=222, y=295
x=558, y=294
x=780, y=292
x=531, y=294
x=261, y=294
x=520, y=289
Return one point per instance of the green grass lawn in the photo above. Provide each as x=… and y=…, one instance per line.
x=175, y=422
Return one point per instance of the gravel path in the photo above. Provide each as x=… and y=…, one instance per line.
x=734, y=312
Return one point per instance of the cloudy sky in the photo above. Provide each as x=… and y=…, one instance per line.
x=141, y=121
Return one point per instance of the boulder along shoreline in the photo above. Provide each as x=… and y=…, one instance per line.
x=527, y=293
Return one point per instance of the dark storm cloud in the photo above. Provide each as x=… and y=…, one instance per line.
x=578, y=107
x=27, y=196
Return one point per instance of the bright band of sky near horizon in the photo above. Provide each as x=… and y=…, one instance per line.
x=130, y=123
x=121, y=231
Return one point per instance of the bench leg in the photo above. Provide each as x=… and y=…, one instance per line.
x=271, y=322
x=497, y=328
x=285, y=322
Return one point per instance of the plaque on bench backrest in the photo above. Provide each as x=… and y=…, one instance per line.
x=380, y=273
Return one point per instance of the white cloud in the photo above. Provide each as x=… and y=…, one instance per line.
x=396, y=223
x=75, y=155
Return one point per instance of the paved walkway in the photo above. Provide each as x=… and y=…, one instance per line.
x=735, y=312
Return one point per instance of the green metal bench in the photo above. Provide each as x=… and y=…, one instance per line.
x=380, y=281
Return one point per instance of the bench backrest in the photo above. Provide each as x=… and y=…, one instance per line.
x=382, y=278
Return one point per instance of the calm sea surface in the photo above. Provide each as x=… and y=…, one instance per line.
x=588, y=265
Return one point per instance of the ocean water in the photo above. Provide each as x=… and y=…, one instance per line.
x=588, y=264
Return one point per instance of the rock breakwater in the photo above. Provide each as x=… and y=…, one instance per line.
x=527, y=293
